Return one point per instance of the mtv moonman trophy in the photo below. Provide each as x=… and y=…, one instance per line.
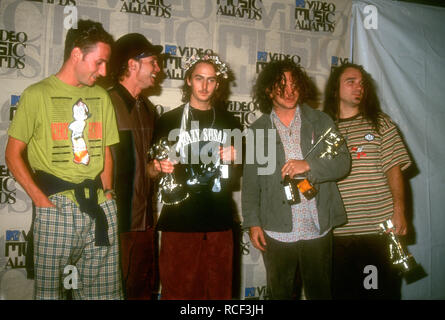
x=171, y=192
x=398, y=255
x=332, y=141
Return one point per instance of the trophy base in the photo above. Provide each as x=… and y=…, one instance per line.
x=414, y=274
x=171, y=199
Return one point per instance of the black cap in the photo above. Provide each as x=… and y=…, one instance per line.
x=130, y=46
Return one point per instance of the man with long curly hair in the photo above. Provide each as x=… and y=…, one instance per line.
x=295, y=239
x=373, y=191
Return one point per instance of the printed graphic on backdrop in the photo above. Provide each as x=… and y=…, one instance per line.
x=248, y=9
x=15, y=249
x=245, y=111
x=338, y=61
x=56, y=2
x=7, y=186
x=175, y=57
x=153, y=8
x=12, y=49
x=253, y=272
x=13, y=281
x=314, y=16
x=264, y=58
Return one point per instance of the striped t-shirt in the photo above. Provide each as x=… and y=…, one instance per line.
x=365, y=191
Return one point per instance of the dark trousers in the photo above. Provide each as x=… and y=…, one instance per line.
x=138, y=251
x=309, y=260
x=350, y=280
x=196, y=265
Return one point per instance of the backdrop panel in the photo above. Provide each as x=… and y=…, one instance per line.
x=402, y=46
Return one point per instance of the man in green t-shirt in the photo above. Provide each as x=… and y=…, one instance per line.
x=59, y=151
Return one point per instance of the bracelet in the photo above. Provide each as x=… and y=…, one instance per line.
x=110, y=191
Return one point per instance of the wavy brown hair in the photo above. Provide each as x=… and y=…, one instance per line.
x=369, y=105
x=272, y=76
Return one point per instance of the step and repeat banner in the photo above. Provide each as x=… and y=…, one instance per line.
x=246, y=34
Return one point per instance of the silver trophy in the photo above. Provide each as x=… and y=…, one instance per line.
x=398, y=255
x=332, y=141
x=170, y=191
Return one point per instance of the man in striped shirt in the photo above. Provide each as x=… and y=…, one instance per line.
x=372, y=193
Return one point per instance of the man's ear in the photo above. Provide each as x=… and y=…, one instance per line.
x=76, y=54
x=133, y=64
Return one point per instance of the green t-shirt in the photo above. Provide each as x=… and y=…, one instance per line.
x=66, y=129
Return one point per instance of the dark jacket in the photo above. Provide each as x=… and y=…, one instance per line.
x=263, y=198
x=133, y=187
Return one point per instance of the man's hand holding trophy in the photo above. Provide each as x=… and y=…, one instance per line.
x=171, y=192
x=399, y=256
x=332, y=141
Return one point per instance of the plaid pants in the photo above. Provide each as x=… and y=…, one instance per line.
x=64, y=236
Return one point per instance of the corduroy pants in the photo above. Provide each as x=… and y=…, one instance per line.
x=196, y=266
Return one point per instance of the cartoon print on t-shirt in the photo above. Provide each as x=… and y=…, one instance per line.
x=80, y=114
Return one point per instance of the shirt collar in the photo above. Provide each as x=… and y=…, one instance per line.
x=274, y=117
x=129, y=100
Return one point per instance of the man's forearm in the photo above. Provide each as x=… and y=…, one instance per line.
x=396, y=185
x=107, y=174
x=16, y=164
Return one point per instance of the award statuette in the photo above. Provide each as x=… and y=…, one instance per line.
x=170, y=191
x=332, y=141
x=398, y=255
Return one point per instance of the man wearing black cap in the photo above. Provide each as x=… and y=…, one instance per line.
x=134, y=65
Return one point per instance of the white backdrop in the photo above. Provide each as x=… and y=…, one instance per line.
x=404, y=50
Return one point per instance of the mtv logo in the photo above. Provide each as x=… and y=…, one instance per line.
x=14, y=100
x=338, y=61
x=249, y=292
x=12, y=235
x=170, y=50
x=300, y=3
x=262, y=56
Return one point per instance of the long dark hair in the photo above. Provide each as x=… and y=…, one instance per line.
x=369, y=105
x=272, y=75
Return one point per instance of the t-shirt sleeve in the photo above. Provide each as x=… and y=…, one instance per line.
x=24, y=121
x=393, y=149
